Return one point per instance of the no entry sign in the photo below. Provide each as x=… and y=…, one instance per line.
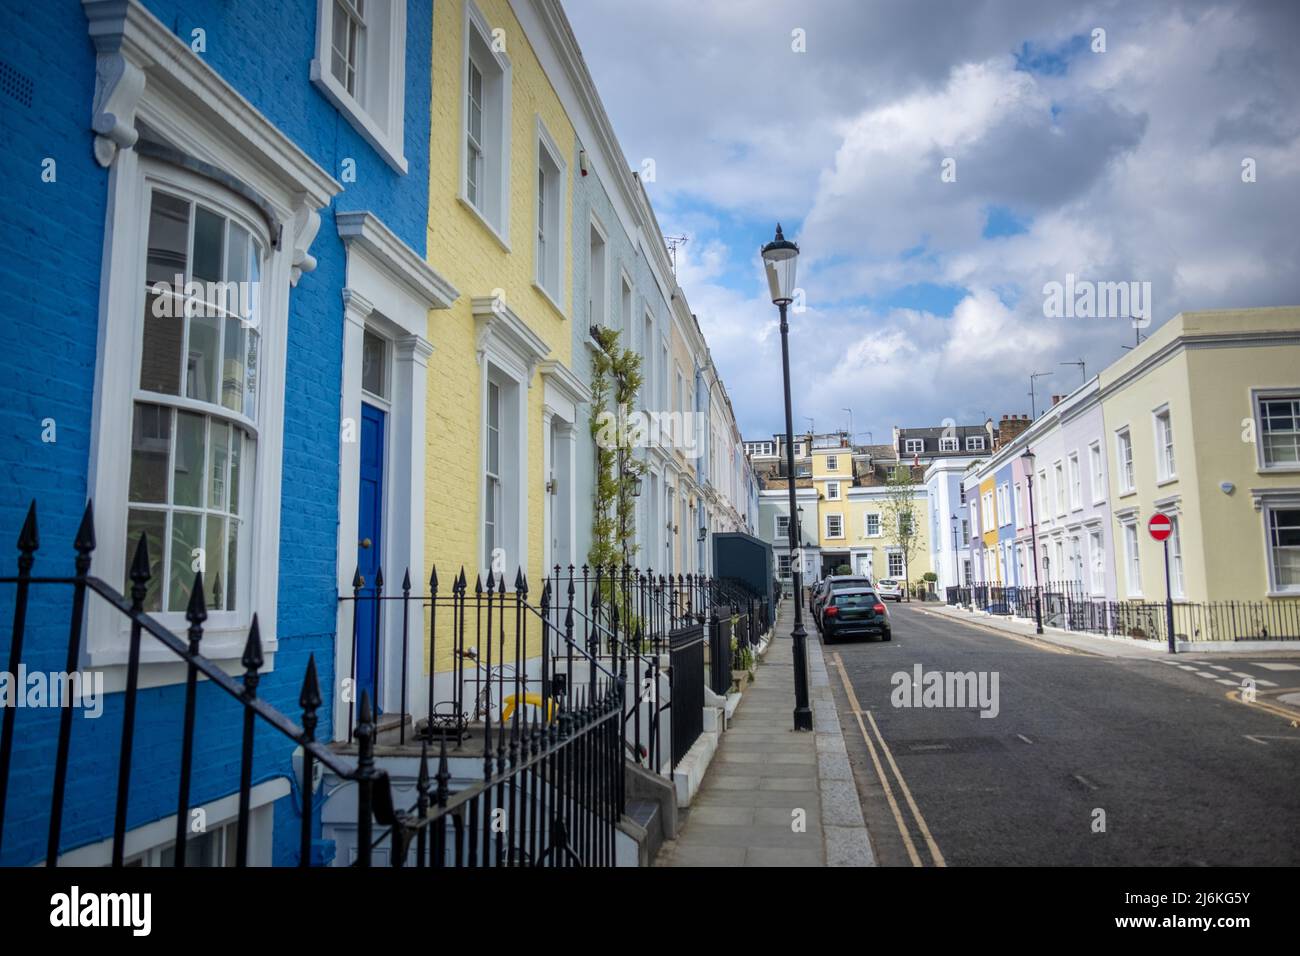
x=1160, y=527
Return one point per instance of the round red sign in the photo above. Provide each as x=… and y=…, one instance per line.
x=1160, y=527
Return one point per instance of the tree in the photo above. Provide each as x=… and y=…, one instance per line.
x=901, y=518
x=616, y=375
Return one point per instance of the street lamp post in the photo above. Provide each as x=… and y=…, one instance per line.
x=1028, y=459
x=956, y=555
x=779, y=260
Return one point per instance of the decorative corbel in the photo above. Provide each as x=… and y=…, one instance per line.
x=118, y=86
x=302, y=232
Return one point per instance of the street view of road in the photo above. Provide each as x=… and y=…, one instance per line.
x=1083, y=760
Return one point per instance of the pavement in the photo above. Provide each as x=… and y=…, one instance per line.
x=1088, y=758
x=774, y=796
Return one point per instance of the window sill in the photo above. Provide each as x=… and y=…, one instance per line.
x=1166, y=481
x=361, y=121
x=1285, y=593
x=1128, y=494
x=485, y=222
x=550, y=300
x=1278, y=470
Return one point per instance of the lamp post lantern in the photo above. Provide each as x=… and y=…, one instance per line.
x=1028, y=459
x=780, y=258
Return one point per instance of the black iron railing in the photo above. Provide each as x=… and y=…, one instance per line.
x=1068, y=605
x=720, y=656
x=686, y=650
x=557, y=778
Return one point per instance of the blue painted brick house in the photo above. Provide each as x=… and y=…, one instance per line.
x=284, y=146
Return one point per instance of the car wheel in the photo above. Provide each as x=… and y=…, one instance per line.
x=888, y=636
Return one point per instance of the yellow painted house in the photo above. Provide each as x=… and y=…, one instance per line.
x=499, y=222
x=853, y=521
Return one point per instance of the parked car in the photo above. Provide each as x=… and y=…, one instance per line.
x=855, y=612
x=835, y=583
x=890, y=588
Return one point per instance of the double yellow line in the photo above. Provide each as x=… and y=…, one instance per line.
x=1267, y=706
x=901, y=823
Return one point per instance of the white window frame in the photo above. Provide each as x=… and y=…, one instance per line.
x=1132, y=558
x=866, y=524
x=832, y=491
x=233, y=137
x=777, y=533
x=974, y=442
x=1257, y=397
x=1097, y=465
x=1058, y=486
x=949, y=444
x=1097, y=560
x=548, y=274
x=832, y=462
x=494, y=66
x=1127, y=476
x=839, y=518
x=1075, y=477
x=1177, y=581
x=1162, y=430
x=913, y=446
x=889, y=563
x=1269, y=504
x=598, y=310
x=1020, y=506
x=377, y=110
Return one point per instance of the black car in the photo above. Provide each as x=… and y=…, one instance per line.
x=855, y=612
x=833, y=583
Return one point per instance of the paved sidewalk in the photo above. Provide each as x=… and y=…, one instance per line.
x=746, y=812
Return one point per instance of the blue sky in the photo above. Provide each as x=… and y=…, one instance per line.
x=1117, y=160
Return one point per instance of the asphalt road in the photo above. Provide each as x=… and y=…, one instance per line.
x=1183, y=774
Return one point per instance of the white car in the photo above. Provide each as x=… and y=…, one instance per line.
x=890, y=588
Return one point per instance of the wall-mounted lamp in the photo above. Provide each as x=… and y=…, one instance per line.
x=582, y=161
x=704, y=532
x=636, y=487
x=552, y=486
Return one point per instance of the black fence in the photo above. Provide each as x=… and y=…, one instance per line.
x=1066, y=604
x=686, y=650
x=720, y=657
x=559, y=777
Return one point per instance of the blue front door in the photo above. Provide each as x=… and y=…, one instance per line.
x=370, y=524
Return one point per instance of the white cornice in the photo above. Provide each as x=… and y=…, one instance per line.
x=498, y=324
x=366, y=231
x=137, y=55
x=562, y=378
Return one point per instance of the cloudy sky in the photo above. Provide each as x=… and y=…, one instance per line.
x=924, y=297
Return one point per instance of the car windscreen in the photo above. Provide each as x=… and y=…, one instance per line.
x=887, y=582
x=848, y=583
x=855, y=598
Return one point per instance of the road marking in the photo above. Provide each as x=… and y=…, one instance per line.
x=907, y=794
x=1218, y=667
x=1241, y=674
x=1276, y=711
x=1264, y=683
x=1032, y=642
x=1205, y=674
x=1024, y=738
x=880, y=772
x=1275, y=666
x=1085, y=781
x=1186, y=667
x=1263, y=739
